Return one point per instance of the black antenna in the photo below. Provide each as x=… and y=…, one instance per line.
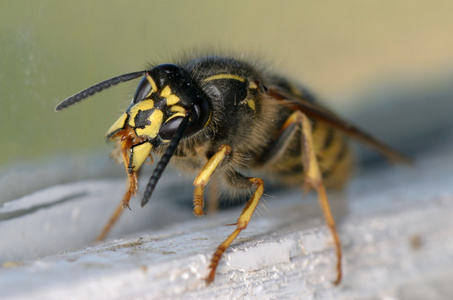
x=165, y=159
x=76, y=98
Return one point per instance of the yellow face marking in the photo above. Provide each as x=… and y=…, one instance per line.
x=118, y=125
x=152, y=130
x=140, y=154
x=177, y=108
x=225, y=76
x=176, y=115
x=142, y=105
x=251, y=104
x=172, y=99
x=153, y=84
x=166, y=92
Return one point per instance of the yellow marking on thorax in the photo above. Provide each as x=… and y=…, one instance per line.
x=225, y=76
x=253, y=85
x=153, y=84
x=152, y=130
x=251, y=103
x=177, y=108
x=119, y=124
x=142, y=105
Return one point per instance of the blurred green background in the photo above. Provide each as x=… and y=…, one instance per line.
x=52, y=49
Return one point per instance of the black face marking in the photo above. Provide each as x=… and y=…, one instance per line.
x=142, y=118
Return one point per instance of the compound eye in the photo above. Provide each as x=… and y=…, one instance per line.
x=168, y=129
x=143, y=90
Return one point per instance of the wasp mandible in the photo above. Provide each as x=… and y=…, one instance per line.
x=221, y=116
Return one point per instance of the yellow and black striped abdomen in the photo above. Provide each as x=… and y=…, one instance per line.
x=334, y=155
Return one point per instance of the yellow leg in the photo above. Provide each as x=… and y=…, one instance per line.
x=204, y=176
x=313, y=178
x=241, y=224
x=202, y=180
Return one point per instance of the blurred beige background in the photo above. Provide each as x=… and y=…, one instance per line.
x=52, y=49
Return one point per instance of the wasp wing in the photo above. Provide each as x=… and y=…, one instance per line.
x=315, y=111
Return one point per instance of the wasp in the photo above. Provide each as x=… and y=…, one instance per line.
x=225, y=117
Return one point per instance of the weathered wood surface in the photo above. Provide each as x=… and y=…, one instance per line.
x=396, y=232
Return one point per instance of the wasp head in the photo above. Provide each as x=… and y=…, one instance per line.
x=164, y=97
x=167, y=106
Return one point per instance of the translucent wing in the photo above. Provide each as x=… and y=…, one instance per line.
x=318, y=112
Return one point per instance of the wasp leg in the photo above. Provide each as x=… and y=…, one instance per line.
x=239, y=181
x=204, y=176
x=119, y=210
x=313, y=178
x=132, y=178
